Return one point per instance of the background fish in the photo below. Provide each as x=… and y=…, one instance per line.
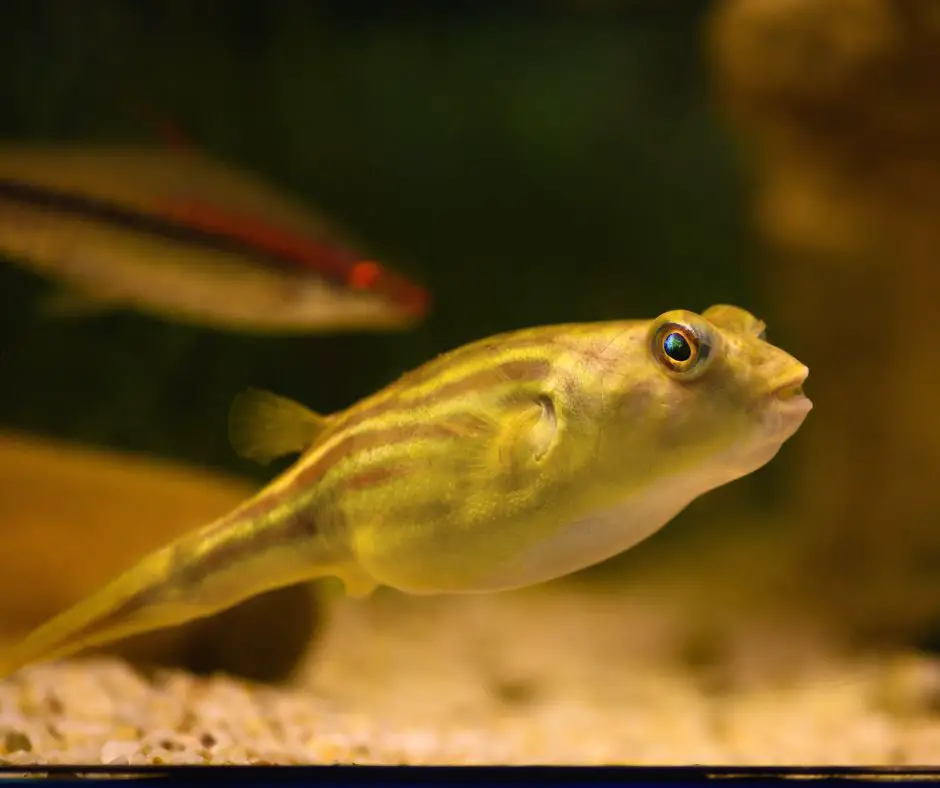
x=171, y=232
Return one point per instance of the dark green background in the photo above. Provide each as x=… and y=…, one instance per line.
x=531, y=163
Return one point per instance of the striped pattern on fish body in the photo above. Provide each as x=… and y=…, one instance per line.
x=468, y=443
x=507, y=462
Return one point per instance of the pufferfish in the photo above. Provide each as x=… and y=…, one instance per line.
x=507, y=462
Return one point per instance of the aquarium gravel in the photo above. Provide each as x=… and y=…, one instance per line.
x=546, y=676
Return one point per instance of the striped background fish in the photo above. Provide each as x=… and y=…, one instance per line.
x=171, y=232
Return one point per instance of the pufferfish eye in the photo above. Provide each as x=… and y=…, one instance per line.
x=680, y=349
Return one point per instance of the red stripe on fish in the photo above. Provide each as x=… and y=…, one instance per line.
x=327, y=259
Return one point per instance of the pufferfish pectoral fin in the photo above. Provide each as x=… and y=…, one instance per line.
x=263, y=426
x=507, y=438
x=529, y=432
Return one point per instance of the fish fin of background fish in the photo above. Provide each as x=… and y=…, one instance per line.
x=68, y=304
x=263, y=426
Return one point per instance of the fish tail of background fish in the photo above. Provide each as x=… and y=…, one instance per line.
x=258, y=547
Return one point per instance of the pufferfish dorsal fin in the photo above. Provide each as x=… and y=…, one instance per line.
x=263, y=426
x=735, y=319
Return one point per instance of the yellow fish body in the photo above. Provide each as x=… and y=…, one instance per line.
x=507, y=462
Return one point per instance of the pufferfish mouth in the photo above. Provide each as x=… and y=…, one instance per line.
x=790, y=391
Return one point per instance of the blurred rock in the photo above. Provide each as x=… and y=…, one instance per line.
x=837, y=101
x=74, y=517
